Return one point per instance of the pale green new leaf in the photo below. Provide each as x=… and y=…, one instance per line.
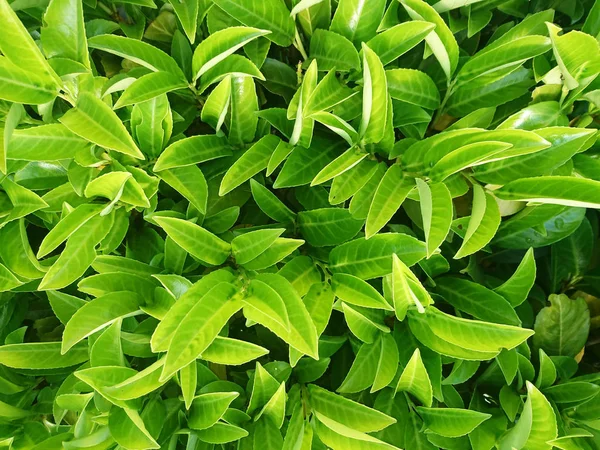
x=99, y=313
x=415, y=380
x=194, y=239
x=249, y=164
x=191, y=151
x=517, y=287
x=436, y=211
x=535, y=426
x=355, y=291
x=399, y=39
x=93, y=120
x=375, y=97
x=78, y=254
x=220, y=45
x=441, y=41
x=200, y=327
x=483, y=223
x=451, y=422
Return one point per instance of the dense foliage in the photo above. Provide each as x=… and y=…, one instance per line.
x=295, y=225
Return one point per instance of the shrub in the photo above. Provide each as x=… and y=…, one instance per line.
x=285, y=225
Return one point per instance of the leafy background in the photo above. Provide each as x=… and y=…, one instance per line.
x=264, y=224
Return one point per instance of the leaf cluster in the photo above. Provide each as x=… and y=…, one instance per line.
x=299, y=224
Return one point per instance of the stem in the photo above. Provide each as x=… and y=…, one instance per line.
x=440, y=110
x=298, y=44
x=68, y=98
x=106, y=9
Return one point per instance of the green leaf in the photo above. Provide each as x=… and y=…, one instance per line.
x=389, y=196
x=208, y=408
x=51, y=142
x=399, y=39
x=78, y=255
x=372, y=258
x=328, y=94
x=304, y=164
x=187, y=13
x=136, y=51
x=249, y=164
x=148, y=87
x=302, y=334
x=16, y=252
x=365, y=324
x=166, y=328
x=220, y=45
x=221, y=433
x=67, y=226
x=509, y=55
x=19, y=48
x=547, y=373
x=483, y=223
x=244, y=106
x=451, y=422
x=21, y=86
x=576, y=65
x=415, y=380
x=269, y=15
x=232, y=352
x=350, y=413
x=261, y=297
x=233, y=65
x=41, y=355
x=441, y=41
x=189, y=182
x=333, y=51
x=355, y=291
x=280, y=249
x=407, y=290
x=303, y=126
x=249, y=245
x=437, y=211
x=467, y=156
x=474, y=335
x=217, y=104
x=63, y=34
x=195, y=240
x=517, y=287
x=327, y=226
x=343, y=129
x=339, y=436
x=535, y=426
x=138, y=384
x=375, y=97
x=200, y=327
x=562, y=328
x=364, y=369
x=557, y=190
x=97, y=314
x=356, y=20
x=270, y=204
x=388, y=363
x=13, y=117
x=413, y=86
x=191, y=151
x=94, y=121
x=128, y=429
x=345, y=185
x=477, y=300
